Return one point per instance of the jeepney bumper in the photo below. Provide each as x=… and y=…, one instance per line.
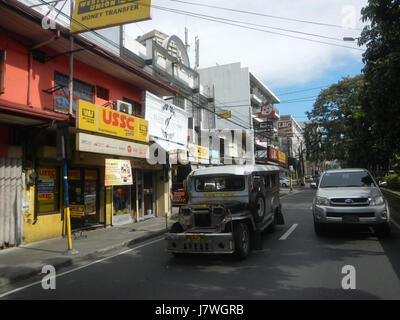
x=199, y=242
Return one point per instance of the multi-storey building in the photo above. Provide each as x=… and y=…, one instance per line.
x=35, y=113
x=243, y=102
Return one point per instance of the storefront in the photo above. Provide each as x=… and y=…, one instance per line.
x=137, y=201
x=83, y=190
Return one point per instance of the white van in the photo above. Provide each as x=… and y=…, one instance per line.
x=228, y=208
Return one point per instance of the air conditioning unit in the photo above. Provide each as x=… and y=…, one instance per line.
x=123, y=106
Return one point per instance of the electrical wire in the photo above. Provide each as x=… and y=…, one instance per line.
x=222, y=20
x=264, y=15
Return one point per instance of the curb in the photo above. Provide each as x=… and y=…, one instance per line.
x=60, y=262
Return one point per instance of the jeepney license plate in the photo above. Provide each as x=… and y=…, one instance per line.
x=195, y=238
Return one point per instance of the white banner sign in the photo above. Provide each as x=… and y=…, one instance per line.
x=91, y=143
x=166, y=121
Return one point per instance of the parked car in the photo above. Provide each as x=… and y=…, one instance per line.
x=284, y=182
x=313, y=185
x=228, y=208
x=350, y=196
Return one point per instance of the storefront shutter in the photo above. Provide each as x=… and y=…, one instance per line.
x=11, y=193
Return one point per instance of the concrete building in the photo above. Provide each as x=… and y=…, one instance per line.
x=241, y=101
x=34, y=106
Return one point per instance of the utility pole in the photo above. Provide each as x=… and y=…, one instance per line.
x=65, y=132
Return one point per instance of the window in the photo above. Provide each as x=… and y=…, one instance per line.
x=136, y=107
x=82, y=91
x=102, y=93
x=346, y=179
x=2, y=71
x=48, y=190
x=228, y=183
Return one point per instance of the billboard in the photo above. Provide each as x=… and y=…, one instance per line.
x=107, y=121
x=98, y=14
x=167, y=122
x=267, y=111
x=285, y=129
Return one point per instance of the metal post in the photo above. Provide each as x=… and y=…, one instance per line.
x=71, y=63
x=67, y=211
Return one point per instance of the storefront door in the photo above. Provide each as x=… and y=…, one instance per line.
x=83, y=196
x=146, y=191
x=121, y=208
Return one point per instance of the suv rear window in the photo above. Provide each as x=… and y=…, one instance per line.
x=225, y=183
x=346, y=179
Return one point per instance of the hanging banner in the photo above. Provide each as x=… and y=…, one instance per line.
x=167, y=122
x=90, y=14
x=118, y=172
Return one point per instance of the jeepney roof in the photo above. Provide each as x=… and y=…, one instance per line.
x=234, y=169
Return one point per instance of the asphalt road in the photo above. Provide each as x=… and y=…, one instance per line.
x=293, y=264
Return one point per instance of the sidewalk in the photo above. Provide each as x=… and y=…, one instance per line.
x=25, y=261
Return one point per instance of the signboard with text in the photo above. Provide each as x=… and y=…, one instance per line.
x=91, y=143
x=285, y=129
x=118, y=172
x=99, y=119
x=89, y=14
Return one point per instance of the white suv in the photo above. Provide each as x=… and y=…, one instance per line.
x=350, y=196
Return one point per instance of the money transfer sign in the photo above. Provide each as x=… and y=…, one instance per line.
x=118, y=172
x=98, y=14
x=99, y=119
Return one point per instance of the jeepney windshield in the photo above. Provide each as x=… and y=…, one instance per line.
x=219, y=183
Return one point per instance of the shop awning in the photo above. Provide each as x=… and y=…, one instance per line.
x=168, y=145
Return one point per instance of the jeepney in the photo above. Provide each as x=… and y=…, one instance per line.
x=228, y=208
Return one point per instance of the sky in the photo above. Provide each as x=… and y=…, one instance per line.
x=292, y=68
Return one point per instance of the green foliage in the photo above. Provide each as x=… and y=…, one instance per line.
x=381, y=94
x=338, y=127
x=393, y=181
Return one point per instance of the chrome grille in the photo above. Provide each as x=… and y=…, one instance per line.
x=350, y=202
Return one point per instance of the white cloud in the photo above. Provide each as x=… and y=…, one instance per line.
x=279, y=61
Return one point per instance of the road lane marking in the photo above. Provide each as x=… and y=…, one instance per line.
x=2, y=295
x=395, y=223
x=287, y=233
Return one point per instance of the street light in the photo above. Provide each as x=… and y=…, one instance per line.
x=349, y=39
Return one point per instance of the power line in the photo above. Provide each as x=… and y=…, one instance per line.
x=220, y=20
x=265, y=15
x=257, y=25
x=298, y=91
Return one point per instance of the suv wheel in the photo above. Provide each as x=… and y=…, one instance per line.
x=241, y=237
x=382, y=230
x=319, y=228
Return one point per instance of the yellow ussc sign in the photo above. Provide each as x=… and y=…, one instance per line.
x=98, y=119
x=97, y=14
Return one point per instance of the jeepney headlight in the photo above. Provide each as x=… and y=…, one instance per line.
x=219, y=211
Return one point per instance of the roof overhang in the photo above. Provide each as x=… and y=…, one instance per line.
x=20, y=19
x=267, y=91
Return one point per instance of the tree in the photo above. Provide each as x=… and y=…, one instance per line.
x=381, y=94
x=339, y=126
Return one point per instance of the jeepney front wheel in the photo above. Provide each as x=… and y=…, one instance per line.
x=241, y=237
